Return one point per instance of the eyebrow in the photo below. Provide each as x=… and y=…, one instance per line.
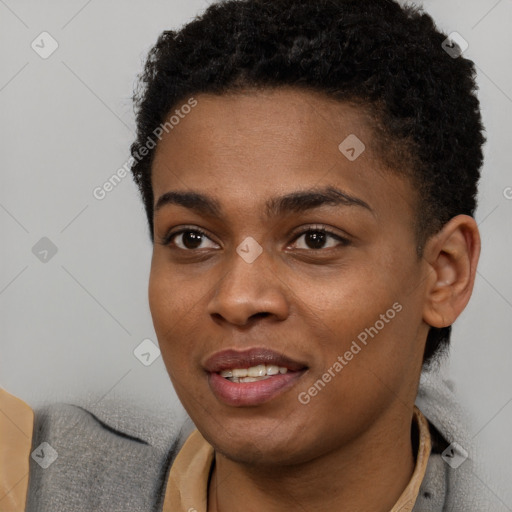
x=294, y=202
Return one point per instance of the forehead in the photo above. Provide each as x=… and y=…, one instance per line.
x=270, y=122
x=259, y=144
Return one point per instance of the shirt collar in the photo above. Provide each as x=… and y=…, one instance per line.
x=187, y=484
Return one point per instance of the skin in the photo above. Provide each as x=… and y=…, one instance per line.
x=351, y=444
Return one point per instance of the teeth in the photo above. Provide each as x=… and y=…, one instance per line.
x=254, y=373
x=248, y=379
x=272, y=369
x=257, y=371
x=253, y=379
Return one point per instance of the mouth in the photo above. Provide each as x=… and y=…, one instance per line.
x=251, y=377
x=254, y=373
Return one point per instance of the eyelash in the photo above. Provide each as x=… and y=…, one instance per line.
x=167, y=239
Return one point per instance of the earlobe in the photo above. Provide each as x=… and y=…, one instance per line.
x=452, y=257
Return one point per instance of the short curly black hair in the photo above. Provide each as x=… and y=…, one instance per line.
x=388, y=59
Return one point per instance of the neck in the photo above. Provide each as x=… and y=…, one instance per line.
x=370, y=473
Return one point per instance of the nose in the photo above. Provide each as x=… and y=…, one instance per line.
x=248, y=291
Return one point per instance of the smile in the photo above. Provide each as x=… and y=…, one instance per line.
x=254, y=373
x=251, y=377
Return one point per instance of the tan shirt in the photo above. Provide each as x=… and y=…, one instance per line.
x=16, y=426
x=187, y=485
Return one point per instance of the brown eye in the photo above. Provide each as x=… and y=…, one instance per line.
x=191, y=239
x=317, y=238
x=188, y=239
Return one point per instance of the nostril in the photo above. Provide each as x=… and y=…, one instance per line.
x=260, y=315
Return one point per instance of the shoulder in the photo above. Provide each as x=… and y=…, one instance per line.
x=454, y=479
x=110, y=455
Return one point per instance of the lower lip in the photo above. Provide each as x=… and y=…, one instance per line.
x=251, y=393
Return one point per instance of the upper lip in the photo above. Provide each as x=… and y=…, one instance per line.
x=231, y=358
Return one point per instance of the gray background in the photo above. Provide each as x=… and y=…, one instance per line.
x=70, y=324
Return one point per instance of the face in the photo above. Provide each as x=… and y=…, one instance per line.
x=292, y=258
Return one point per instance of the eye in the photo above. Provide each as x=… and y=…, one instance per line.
x=313, y=238
x=188, y=239
x=316, y=237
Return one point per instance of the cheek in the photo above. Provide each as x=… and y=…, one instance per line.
x=167, y=311
x=347, y=299
x=380, y=349
x=177, y=303
x=369, y=314
x=161, y=303
x=170, y=302
x=171, y=294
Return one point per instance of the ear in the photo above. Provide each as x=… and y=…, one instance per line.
x=452, y=256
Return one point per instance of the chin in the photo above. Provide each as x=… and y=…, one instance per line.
x=261, y=454
x=262, y=443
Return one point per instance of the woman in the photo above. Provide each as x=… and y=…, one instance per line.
x=309, y=172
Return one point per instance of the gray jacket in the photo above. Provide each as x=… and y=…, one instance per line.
x=115, y=457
